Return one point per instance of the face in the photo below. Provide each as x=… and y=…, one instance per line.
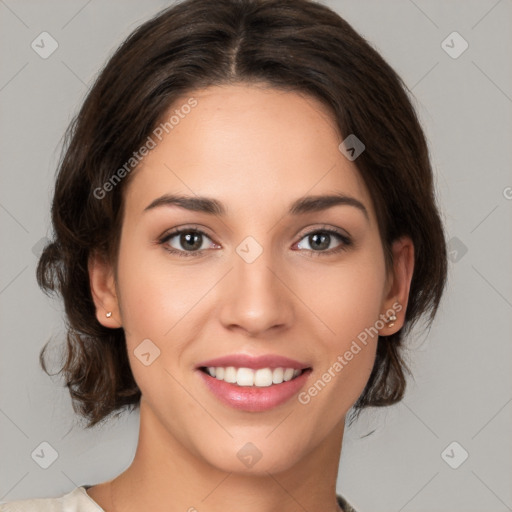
x=256, y=277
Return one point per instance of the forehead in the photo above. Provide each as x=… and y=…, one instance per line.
x=251, y=147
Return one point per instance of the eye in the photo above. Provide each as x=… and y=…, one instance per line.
x=321, y=239
x=187, y=242
x=184, y=242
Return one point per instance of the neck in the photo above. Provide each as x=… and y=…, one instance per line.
x=165, y=475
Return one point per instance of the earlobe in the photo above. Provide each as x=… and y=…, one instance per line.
x=395, y=303
x=103, y=291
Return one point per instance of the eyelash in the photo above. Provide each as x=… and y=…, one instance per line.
x=346, y=242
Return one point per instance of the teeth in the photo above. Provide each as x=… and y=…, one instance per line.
x=230, y=374
x=277, y=376
x=263, y=377
x=289, y=373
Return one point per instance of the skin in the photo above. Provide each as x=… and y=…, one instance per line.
x=255, y=149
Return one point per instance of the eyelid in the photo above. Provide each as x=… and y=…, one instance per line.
x=197, y=228
x=324, y=227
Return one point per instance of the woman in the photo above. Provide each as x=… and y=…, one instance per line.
x=245, y=232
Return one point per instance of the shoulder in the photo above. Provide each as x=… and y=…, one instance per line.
x=76, y=500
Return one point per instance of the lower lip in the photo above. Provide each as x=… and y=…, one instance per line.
x=252, y=398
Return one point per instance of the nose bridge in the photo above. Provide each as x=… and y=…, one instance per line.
x=257, y=299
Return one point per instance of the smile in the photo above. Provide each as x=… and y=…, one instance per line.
x=252, y=390
x=262, y=377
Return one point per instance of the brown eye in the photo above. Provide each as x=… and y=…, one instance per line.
x=190, y=240
x=184, y=242
x=320, y=241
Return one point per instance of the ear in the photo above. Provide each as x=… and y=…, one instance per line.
x=103, y=290
x=398, y=285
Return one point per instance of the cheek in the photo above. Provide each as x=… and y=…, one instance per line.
x=153, y=299
x=154, y=294
x=348, y=306
x=346, y=298
x=161, y=302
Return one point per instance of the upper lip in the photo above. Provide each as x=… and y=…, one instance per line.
x=254, y=362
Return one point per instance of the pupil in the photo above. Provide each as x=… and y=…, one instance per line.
x=188, y=237
x=322, y=245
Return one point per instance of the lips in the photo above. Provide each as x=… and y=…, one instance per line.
x=255, y=362
x=260, y=397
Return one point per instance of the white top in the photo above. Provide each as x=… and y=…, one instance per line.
x=76, y=500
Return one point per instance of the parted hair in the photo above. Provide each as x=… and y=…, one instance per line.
x=292, y=45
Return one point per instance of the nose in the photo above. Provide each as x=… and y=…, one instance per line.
x=256, y=296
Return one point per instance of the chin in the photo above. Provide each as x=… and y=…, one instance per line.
x=252, y=457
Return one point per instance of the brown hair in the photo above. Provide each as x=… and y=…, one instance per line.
x=295, y=45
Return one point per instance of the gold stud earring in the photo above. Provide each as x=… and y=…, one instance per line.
x=109, y=314
x=391, y=320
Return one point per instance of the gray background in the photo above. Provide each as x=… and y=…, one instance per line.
x=462, y=388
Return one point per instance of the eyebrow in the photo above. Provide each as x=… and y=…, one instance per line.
x=309, y=204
